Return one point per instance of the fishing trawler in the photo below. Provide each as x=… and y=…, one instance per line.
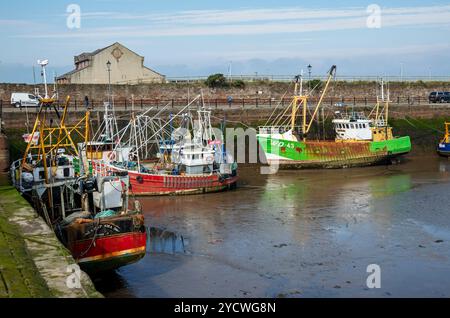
x=104, y=234
x=90, y=214
x=443, y=148
x=51, y=158
x=359, y=141
x=183, y=166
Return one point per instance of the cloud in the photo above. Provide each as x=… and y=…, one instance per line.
x=17, y=23
x=252, y=22
x=196, y=17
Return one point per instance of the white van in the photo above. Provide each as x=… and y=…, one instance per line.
x=24, y=100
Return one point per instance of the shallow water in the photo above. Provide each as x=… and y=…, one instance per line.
x=302, y=234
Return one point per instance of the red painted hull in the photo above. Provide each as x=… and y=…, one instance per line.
x=109, y=252
x=155, y=184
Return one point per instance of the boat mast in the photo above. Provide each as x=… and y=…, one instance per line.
x=299, y=99
x=294, y=104
x=331, y=74
x=387, y=106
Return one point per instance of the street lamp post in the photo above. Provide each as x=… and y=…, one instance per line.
x=309, y=76
x=108, y=128
x=108, y=66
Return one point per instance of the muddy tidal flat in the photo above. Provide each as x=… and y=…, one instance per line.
x=301, y=234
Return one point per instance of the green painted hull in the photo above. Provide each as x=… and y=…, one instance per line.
x=332, y=154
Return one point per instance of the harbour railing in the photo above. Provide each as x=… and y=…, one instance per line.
x=223, y=103
x=307, y=77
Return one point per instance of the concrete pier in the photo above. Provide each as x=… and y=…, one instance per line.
x=33, y=263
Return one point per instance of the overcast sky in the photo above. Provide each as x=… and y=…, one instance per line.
x=190, y=37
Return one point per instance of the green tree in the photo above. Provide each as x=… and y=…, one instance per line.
x=238, y=84
x=216, y=80
x=315, y=83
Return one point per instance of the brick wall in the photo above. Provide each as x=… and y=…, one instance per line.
x=263, y=90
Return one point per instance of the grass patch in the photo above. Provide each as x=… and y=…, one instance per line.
x=19, y=276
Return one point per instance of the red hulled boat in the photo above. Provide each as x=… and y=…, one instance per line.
x=107, y=235
x=167, y=184
x=184, y=164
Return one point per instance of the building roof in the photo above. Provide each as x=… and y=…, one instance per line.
x=89, y=54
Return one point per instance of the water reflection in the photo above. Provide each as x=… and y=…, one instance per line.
x=164, y=241
x=296, y=231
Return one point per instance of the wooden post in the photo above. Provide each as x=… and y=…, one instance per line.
x=256, y=102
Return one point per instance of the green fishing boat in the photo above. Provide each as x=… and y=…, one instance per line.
x=359, y=140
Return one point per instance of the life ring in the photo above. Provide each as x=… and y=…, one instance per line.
x=112, y=156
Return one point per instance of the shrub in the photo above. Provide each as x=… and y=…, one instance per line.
x=315, y=82
x=238, y=84
x=216, y=80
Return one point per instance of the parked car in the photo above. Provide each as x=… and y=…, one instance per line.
x=340, y=104
x=24, y=100
x=439, y=97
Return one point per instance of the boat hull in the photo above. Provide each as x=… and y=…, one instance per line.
x=443, y=149
x=106, y=244
x=155, y=184
x=331, y=154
